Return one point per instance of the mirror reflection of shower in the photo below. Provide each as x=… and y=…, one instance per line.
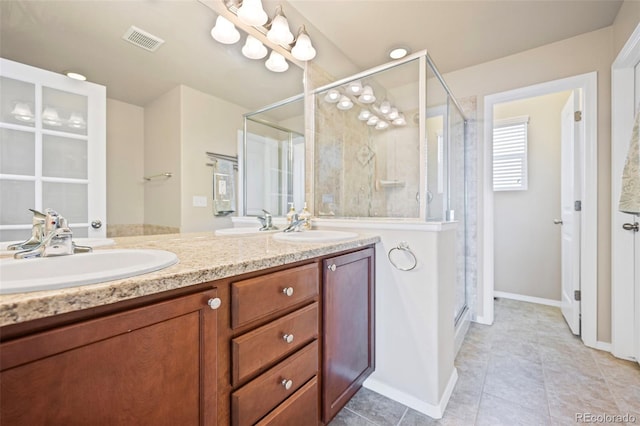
x=274, y=156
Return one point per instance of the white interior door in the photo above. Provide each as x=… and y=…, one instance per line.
x=570, y=217
x=52, y=139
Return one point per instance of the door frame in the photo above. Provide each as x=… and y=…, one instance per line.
x=588, y=83
x=623, y=331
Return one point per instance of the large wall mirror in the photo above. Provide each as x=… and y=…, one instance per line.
x=273, y=157
x=216, y=86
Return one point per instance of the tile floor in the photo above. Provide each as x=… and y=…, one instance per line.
x=527, y=369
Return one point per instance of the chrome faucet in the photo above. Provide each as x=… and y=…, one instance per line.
x=57, y=239
x=295, y=225
x=37, y=232
x=266, y=221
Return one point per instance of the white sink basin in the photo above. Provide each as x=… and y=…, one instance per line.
x=91, y=242
x=315, y=236
x=48, y=273
x=241, y=231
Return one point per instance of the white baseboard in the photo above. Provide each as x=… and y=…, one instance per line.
x=482, y=320
x=431, y=410
x=461, y=332
x=603, y=346
x=530, y=299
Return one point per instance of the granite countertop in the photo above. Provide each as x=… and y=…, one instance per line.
x=202, y=257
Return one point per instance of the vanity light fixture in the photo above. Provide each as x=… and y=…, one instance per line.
x=393, y=114
x=364, y=115
x=252, y=13
x=332, y=96
x=373, y=120
x=355, y=87
x=253, y=48
x=400, y=121
x=279, y=32
x=276, y=62
x=224, y=31
x=76, y=76
x=344, y=104
x=22, y=111
x=76, y=121
x=50, y=117
x=381, y=125
x=303, y=50
x=385, y=107
x=274, y=34
x=367, y=96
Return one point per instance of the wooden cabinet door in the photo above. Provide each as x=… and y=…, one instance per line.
x=348, y=320
x=152, y=365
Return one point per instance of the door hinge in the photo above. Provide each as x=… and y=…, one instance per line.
x=577, y=116
x=577, y=205
x=576, y=295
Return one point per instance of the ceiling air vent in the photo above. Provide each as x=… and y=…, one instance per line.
x=143, y=39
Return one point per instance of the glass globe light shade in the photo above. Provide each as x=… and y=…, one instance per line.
x=253, y=48
x=276, y=62
x=224, y=31
x=252, y=13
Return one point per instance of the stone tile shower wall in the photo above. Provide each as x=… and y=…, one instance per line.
x=363, y=172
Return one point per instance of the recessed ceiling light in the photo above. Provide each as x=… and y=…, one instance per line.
x=76, y=76
x=398, y=52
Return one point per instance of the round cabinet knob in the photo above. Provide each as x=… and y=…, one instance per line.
x=286, y=384
x=288, y=338
x=96, y=224
x=332, y=267
x=214, y=302
x=287, y=291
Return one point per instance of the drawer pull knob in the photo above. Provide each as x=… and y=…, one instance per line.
x=286, y=384
x=332, y=267
x=287, y=291
x=288, y=338
x=214, y=302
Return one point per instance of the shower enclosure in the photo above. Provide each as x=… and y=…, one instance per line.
x=273, y=149
x=390, y=144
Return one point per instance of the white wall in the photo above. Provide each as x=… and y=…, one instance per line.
x=577, y=55
x=162, y=154
x=527, y=256
x=626, y=21
x=125, y=163
x=207, y=124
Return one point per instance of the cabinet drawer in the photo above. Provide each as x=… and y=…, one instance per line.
x=255, y=350
x=300, y=409
x=258, y=397
x=258, y=297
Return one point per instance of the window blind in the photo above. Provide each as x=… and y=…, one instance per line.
x=510, y=154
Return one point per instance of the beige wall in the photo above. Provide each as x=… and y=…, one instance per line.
x=171, y=134
x=207, y=124
x=526, y=242
x=162, y=154
x=626, y=22
x=125, y=163
x=578, y=55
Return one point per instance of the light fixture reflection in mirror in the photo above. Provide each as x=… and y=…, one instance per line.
x=367, y=96
x=22, y=111
x=345, y=103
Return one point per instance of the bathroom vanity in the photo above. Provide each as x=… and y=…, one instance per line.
x=244, y=330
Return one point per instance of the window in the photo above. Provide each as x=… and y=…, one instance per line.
x=510, y=154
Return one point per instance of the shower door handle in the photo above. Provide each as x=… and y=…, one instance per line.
x=557, y=221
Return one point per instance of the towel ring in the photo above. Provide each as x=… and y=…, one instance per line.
x=403, y=246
